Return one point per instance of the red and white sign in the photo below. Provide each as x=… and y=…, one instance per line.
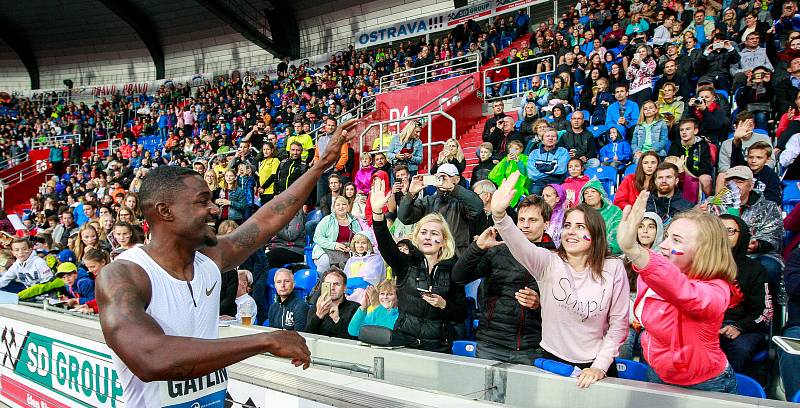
x=27, y=396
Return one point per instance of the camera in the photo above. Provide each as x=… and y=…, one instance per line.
x=696, y=101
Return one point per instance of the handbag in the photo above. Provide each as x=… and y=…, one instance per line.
x=385, y=337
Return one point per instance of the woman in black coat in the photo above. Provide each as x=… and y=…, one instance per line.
x=430, y=304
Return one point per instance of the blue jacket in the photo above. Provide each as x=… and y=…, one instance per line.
x=83, y=288
x=542, y=163
x=631, y=112
x=56, y=155
x=290, y=314
x=378, y=316
x=658, y=139
x=619, y=147
x=416, y=152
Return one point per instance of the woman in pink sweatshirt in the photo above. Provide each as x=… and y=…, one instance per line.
x=584, y=292
x=684, y=290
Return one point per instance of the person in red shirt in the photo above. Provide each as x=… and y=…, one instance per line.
x=494, y=87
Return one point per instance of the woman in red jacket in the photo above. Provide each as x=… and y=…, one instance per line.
x=643, y=179
x=684, y=291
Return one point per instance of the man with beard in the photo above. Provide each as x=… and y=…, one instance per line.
x=159, y=303
x=667, y=202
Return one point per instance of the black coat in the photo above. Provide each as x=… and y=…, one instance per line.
x=503, y=321
x=326, y=326
x=752, y=313
x=491, y=124
x=481, y=172
x=500, y=141
x=433, y=327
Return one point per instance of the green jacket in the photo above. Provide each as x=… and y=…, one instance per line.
x=611, y=214
x=505, y=168
x=327, y=231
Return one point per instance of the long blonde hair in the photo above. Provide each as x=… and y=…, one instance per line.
x=713, y=259
x=459, y=155
x=656, y=118
x=408, y=132
x=79, y=247
x=448, y=249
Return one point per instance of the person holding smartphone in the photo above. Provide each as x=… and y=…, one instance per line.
x=331, y=312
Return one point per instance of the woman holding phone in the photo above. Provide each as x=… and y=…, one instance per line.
x=430, y=304
x=584, y=291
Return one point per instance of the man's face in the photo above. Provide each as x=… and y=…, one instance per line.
x=295, y=151
x=195, y=213
x=67, y=219
x=745, y=186
x=402, y=177
x=699, y=17
x=688, y=132
x=284, y=283
x=531, y=223
x=665, y=181
x=21, y=250
x=380, y=160
x=757, y=159
x=620, y=94
x=670, y=67
x=334, y=184
x=549, y=139
x=337, y=286
x=752, y=41
x=497, y=107
x=577, y=120
x=88, y=211
x=330, y=126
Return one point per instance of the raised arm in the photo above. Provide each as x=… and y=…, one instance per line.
x=123, y=292
x=234, y=248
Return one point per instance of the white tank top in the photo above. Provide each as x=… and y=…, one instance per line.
x=179, y=312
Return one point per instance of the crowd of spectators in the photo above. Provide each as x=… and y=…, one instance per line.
x=694, y=107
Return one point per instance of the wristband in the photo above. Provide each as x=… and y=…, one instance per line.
x=377, y=213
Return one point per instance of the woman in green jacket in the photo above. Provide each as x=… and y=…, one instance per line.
x=332, y=236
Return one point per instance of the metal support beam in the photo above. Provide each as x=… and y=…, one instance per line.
x=15, y=38
x=144, y=27
x=235, y=18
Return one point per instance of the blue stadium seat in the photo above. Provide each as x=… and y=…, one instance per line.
x=630, y=169
x=304, y=281
x=597, y=130
x=791, y=194
x=796, y=398
x=472, y=290
x=271, y=287
x=607, y=176
x=631, y=370
x=760, y=132
x=308, y=250
x=749, y=387
x=464, y=348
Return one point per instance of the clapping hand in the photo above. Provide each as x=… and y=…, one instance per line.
x=503, y=196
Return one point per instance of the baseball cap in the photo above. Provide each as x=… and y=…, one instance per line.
x=66, y=255
x=740, y=172
x=66, y=268
x=448, y=169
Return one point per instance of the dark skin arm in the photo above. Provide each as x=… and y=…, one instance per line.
x=123, y=292
x=256, y=232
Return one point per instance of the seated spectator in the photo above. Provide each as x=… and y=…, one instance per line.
x=716, y=60
x=789, y=363
x=574, y=181
x=745, y=324
x=534, y=141
x=624, y=113
x=680, y=87
x=511, y=333
x=430, y=304
x=515, y=161
x=695, y=153
x=670, y=106
x=485, y=164
x=547, y=164
x=455, y=203
x=65, y=228
x=579, y=141
x=766, y=181
x=332, y=236
x=640, y=73
x=743, y=138
x=558, y=120
x=331, y=313
x=617, y=152
x=651, y=132
x=79, y=287
x=708, y=112
x=501, y=136
x=595, y=333
x=287, y=246
x=328, y=199
x=29, y=275
x=245, y=305
x=757, y=95
x=231, y=199
x=452, y=153
x=94, y=260
x=290, y=169
x=289, y=312
x=556, y=197
x=365, y=267
x=666, y=200
x=497, y=84
x=528, y=115
x=378, y=308
x=406, y=147
x=492, y=123
x=681, y=295
x=594, y=195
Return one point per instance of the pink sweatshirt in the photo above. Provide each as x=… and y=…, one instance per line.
x=681, y=318
x=583, y=320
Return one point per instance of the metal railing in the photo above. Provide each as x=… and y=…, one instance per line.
x=465, y=85
x=10, y=180
x=48, y=141
x=14, y=160
x=429, y=118
x=516, y=85
x=364, y=108
x=435, y=71
x=109, y=149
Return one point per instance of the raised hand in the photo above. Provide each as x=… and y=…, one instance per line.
x=628, y=228
x=377, y=196
x=416, y=184
x=340, y=137
x=502, y=197
x=488, y=239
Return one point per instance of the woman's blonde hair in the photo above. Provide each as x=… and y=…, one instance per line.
x=448, y=249
x=215, y=185
x=360, y=236
x=459, y=155
x=656, y=118
x=226, y=227
x=79, y=247
x=408, y=131
x=713, y=258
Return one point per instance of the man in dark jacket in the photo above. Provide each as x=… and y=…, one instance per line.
x=580, y=142
x=491, y=123
x=717, y=59
x=332, y=312
x=789, y=363
x=746, y=320
x=667, y=202
x=290, y=169
x=501, y=135
x=786, y=89
x=457, y=205
x=671, y=74
x=289, y=312
x=510, y=327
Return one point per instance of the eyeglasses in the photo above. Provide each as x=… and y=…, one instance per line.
x=731, y=231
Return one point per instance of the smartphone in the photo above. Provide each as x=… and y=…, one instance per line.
x=788, y=344
x=325, y=289
x=758, y=75
x=430, y=180
x=424, y=291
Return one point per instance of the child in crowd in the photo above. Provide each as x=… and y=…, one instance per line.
x=378, y=308
x=556, y=197
x=485, y=164
x=574, y=182
x=515, y=161
x=617, y=152
x=695, y=153
x=364, y=268
x=78, y=285
x=363, y=178
x=94, y=260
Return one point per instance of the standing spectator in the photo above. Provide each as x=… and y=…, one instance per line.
x=547, y=164
x=188, y=120
x=406, y=147
x=429, y=301
x=640, y=74
x=579, y=141
x=682, y=298
x=651, y=132
x=765, y=180
x=455, y=203
x=757, y=95
x=709, y=114
x=492, y=122
x=751, y=56
x=267, y=172
x=743, y=138
x=667, y=201
x=588, y=338
x=717, y=59
x=322, y=143
x=66, y=227
x=331, y=314
x=513, y=331
x=289, y=312
x=56, y=158
x=291, y=169
x=231, y=199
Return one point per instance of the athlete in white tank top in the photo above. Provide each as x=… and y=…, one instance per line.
x=188, y=309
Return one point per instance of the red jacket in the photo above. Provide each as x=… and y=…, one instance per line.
x=497, y=75
x=626, y=193
x=681, y=318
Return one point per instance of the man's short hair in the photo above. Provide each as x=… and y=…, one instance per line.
x=334, y=271
x=621, y=86
x=400, y=167
x=162, y=183
x=298, y=144
x=668, y=166
x=65, y=210
x=743, y=116
x=484, y=186
x=335, y=176
x=761, y=145
x=20, y=240
x=536, y=201
x=283, y=270
x=693, y=121
x=488, y=146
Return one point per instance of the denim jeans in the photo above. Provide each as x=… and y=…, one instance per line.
x=725, y=382
x=632, y=346
x=742, y=349
x=790, y=365
x=489, y=351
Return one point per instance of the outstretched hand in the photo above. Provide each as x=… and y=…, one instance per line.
x=503, y=196
x=377, y=196
x=628, y=228
x=488, y=239
x=341, y=136
x=289, y=344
